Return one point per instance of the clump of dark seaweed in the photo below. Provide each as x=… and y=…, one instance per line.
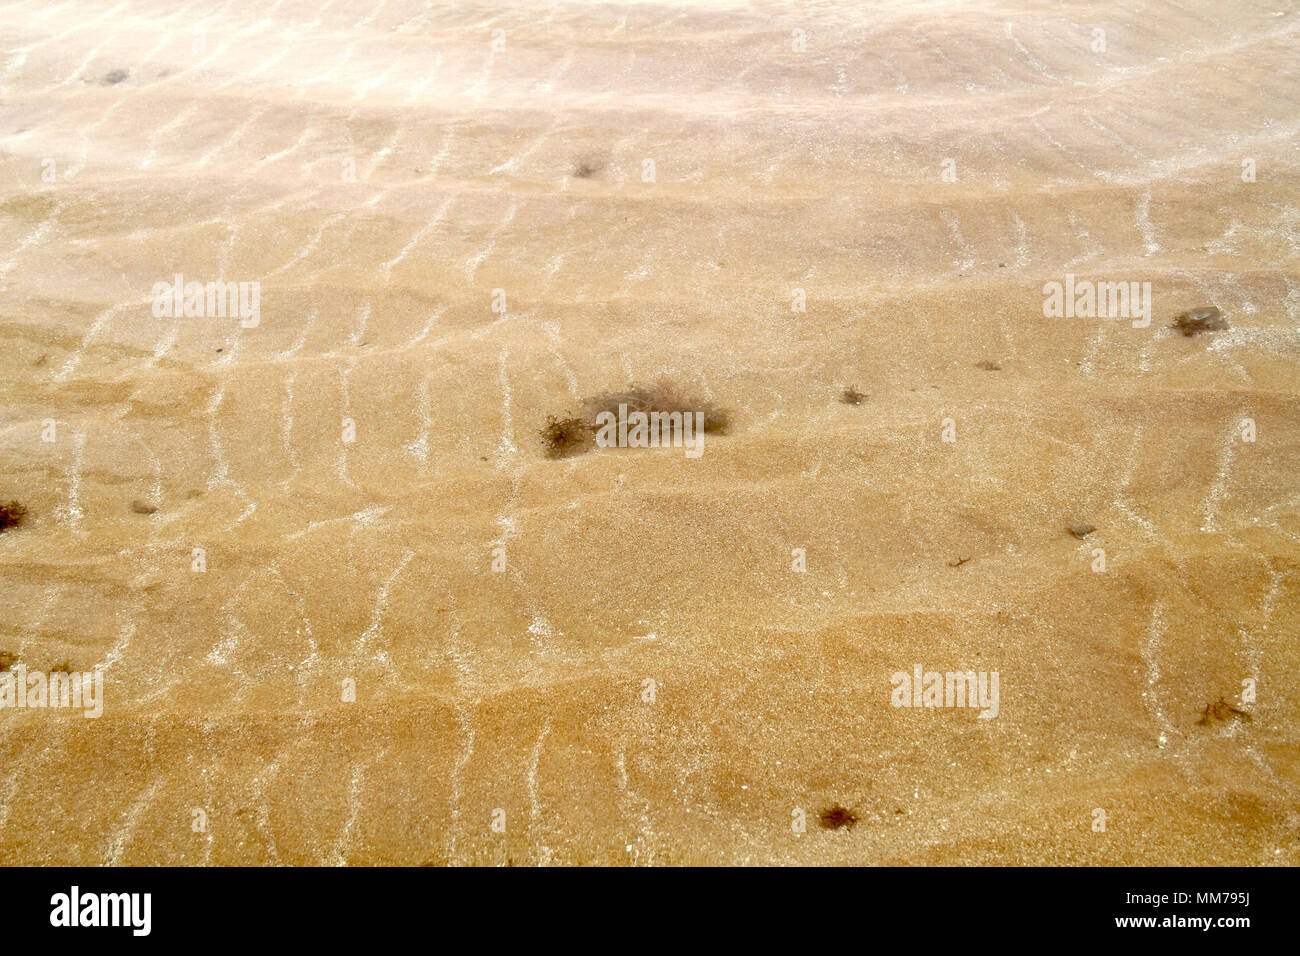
x=11, y=515
x=663, y=398
x=1205, y=319
x=563, y=437
x=1221, y=710
x=837, y=817
x=569, y=435
x=851, y=396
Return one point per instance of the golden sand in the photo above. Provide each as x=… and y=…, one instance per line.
x=389, y=171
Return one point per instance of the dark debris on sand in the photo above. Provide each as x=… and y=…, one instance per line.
x=567, y=435
x=1221, y=710
x=851, y=396
x=11, y=515
x=1081, y=531
x=662, y=398
x=563, y=437
x=1205, y=319
x=837, y=817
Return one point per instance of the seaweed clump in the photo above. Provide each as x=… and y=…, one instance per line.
x=1221, y=710
x=563, y=437
x=851, y=396
x=1205, y=319
x=662, y=398
x=567, y=435
x=11, y=515
x=837, y=818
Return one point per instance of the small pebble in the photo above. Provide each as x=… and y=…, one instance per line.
x=1082, y=531
x=142, y=507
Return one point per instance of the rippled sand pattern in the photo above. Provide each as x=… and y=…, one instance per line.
x=219, y=141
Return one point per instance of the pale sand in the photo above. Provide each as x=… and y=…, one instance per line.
x=522, y=690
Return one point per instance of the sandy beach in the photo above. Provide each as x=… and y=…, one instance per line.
x=346, y=608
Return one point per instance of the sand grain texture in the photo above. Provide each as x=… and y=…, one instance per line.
x=214, y=140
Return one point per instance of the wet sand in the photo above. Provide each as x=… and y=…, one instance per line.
x=387, y=175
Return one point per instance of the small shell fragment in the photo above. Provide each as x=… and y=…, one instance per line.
x=1205, y=319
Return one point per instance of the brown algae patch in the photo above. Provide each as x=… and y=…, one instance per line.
x=12, y=515
x=662, y=398
x=1205, y=319
x=565, y=437
x=1221, y=710
x=663, y=406
x=837, y=818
